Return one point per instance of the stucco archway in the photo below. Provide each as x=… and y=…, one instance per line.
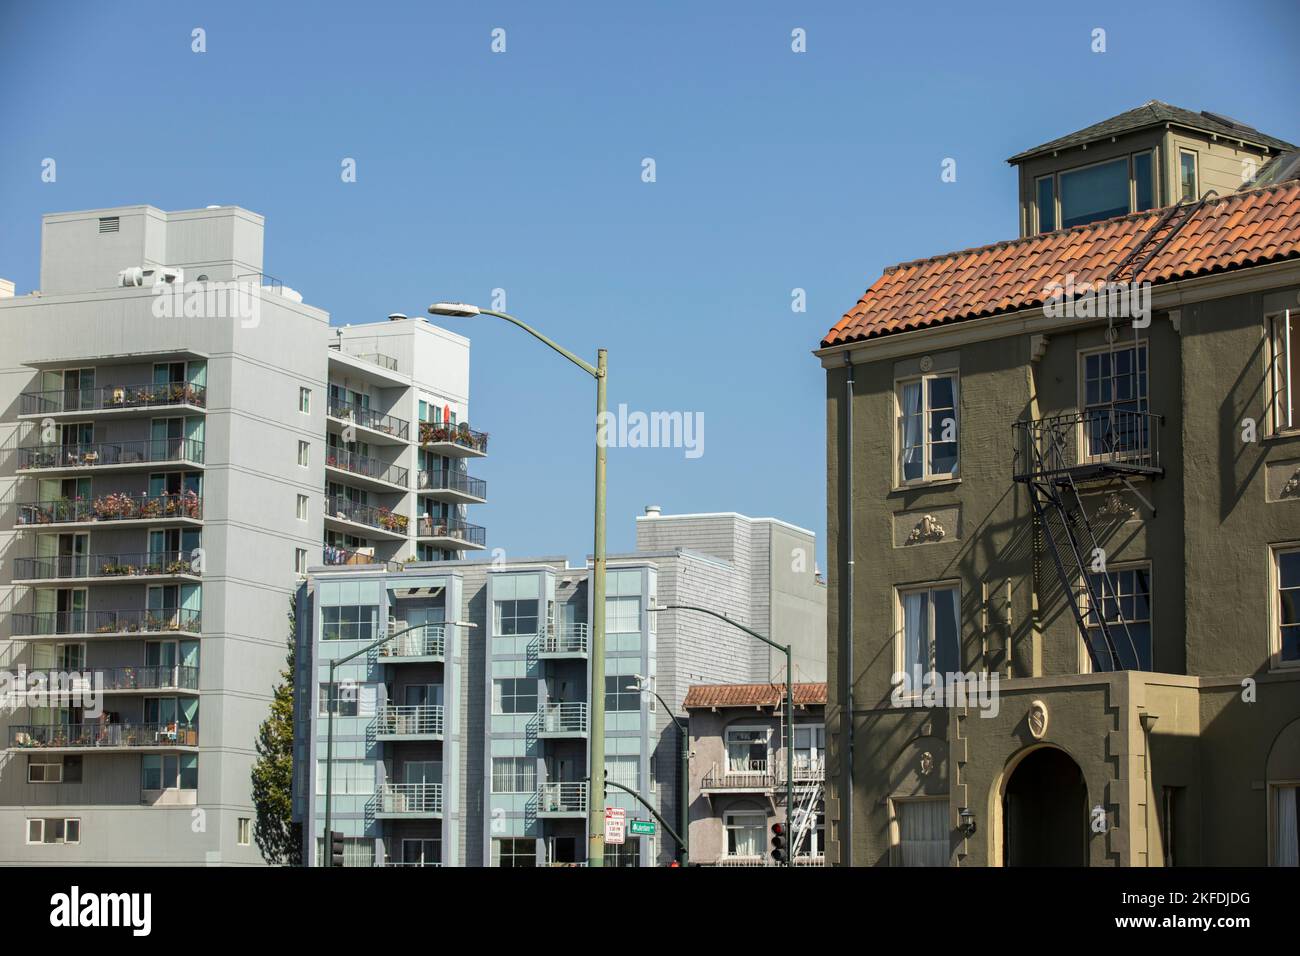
x=1038, y=810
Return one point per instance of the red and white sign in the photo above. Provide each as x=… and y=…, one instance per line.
x=615, y=825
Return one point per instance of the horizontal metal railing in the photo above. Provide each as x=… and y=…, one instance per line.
x=367, y=418
x=741, y=775
x=94, y=735
x=110, y=397
x=120, y=565
x=150, y=677
x=357, y=464
x=52, y=623
x=565, y=639
x=377, y=358
x=118, y=506
x=410, y=798
x=409, y=719
x=1095, y=439
x=563, y=717
x=338, y=506
x=444, y=479
x=562, y=797
x=147, y=451
x=427, y=641
x=444, y=433
x=428, y=526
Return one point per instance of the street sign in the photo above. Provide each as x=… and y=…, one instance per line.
x=641, y=827
x=615, y=825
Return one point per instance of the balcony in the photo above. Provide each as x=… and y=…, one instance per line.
x=745, y=775
x=454, y=486
x=374, y=472
x=426, y=644
x=568, y=640
x=1096, y=443
x=562, y=799
x=450, y=533
x=409, y=800
x=169, y=508
x=149, y=454
x=385, y=428
x=347, y=515
x=104, y=624
x=109, y=568
x=332, y=555
x=409, y=722
x=118, y=400
x=149, y=678
x=453, y=441
x=563, y=719
x=100, y=737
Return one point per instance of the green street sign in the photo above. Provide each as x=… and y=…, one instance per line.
x=641, y=827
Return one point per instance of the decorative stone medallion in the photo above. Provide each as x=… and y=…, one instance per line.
x=927, y=529
x=1037, y=719
x=927, y=763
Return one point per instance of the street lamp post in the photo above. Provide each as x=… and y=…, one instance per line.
x=684, y=840
x=789, y=711
x=596, y=760
x=333, y=704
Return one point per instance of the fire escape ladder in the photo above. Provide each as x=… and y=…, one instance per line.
x=1157, y=237
x=808, y=798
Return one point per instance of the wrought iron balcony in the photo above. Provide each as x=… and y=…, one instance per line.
x=451, y=531
x=105, y=623
x=1095, y=443
x=562, y=799
x=112, y=398
x=365, y=417
x=102, y=736
x=424, y=642
x=384, y=519
x=453, y=440
x=409, y=720
x=747, y=774
x=108, y=566
x=149, y=451
x=454, y=485
x=410, y=799
x=563, y=719
x=118, y=506
x=366, y=467
x=567, y=640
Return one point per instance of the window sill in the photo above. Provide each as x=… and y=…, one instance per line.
x=933, y=483
x=1284, y=436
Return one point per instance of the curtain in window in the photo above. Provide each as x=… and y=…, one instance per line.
x=913, y=426
x=923, y=832
x=747, y=834
x=916, y=640
x=1287, y=851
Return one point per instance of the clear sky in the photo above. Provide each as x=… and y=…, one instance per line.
x=523, y=171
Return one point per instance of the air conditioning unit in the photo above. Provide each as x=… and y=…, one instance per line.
x=139, y=276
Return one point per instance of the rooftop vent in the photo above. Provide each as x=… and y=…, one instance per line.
x=109, y=224
x=653, y=511
x=396, y=317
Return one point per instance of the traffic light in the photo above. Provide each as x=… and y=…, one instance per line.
x=779, y=845
x=336, y=848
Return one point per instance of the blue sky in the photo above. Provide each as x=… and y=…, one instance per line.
x=522, y=171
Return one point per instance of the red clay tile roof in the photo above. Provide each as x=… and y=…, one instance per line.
x=752, y=695
x=1244, y=229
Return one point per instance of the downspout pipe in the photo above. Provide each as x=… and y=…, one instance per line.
x=845, y=454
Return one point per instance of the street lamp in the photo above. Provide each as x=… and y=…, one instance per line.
x=596, y=759
x=789, y=708
x=333, y=703
x=642, y=684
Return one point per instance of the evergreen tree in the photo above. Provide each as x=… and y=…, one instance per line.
x=278, y=837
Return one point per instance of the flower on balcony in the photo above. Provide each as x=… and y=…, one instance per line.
x=115, y=506
x=392, y=521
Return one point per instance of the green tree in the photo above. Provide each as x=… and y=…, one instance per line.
x=278, y=837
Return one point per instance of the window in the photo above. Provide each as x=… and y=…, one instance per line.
x=515, y=852
x=929, y=636
x=1045, y=195
x=624, y=769
x=349, y=777
x=747, y=749
x=300, y=560
x=626, y=854
x=169, y=772
x=1286, y=642
x=302, y=507
x=809, y=751
x=1094, y=192
x=44, y=769
x=1186, y=174
x=422, y=852
x=350, y=623
x=927, y=428
x=54, y=830
x=304, y=400
x=1286, y=825
x=514, y=695
x=746, y=834
x=922, y=832
x=1115, y=402
x=617, y=694
x=814, y=841
x=1125, y=599
x=344, y=699
x=515, y=616
x=1144, y=183
x=357, y=851
x=302, y=453
x=1284, y=329
x=244, y=831
x=623, y=615
x=514, y=775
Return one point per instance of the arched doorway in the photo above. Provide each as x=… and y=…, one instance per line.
x=1045, y=812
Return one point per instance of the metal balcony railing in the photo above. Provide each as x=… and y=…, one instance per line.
x=427, y=641
x=565, y=639
x=409, y=720
x=366, y=418
x=53, y=623
x=444, y=479
x=129, y=564
x=562, y=797
x=564, y=717
x=377, y=358
x=1095, y=441
x=112, y=397
x=101, y=735
x=151, y=677
x=806, y=769
x=99, y=454
x=746, y=774
x=430, y=526
x=445, y=433
x=410, y=798
x=118, y=506
x=368, y=467
x=331, y=554
x=337, y=506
